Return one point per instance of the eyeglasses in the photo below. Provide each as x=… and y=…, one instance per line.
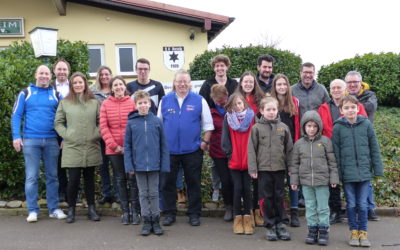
x=143, y=69
x=353, y=82
x=308, y=72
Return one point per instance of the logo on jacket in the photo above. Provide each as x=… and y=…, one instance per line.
x=319, y=144
x=280, y=129
x=171, y=111
x=189, y=107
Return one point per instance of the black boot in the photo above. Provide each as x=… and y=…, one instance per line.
x=133, y=197
x=71, y=215
x=92, y=215
x=335, y=217
x=312, y=237
x=323, y=236
x=146, y=229
x=294, y=217
x=125, y=213
x=155, y=220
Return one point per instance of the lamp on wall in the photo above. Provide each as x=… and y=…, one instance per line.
x=44, y=41
x=192, y=34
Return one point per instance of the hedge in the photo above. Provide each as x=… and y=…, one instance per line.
x=245, y=59
x=17, y=67
x=380, y=71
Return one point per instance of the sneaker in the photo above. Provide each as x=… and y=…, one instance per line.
x=271, y=234
x=58, y=214
x=282, y=232
x=32, y=217
x=215, y=196
x=364, y=242
x=372, y=215
x=354, y=238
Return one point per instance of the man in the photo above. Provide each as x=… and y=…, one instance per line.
x=329, y=113
x=61, y=69
x=184, y=115
x=143, y=82
x=310, y=93
x=265, y=66
x=356, y=87
x=37, y=105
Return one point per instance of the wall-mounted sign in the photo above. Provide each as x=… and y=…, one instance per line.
x=12, y=27
x=174, y=57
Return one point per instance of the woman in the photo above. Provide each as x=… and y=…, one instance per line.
x=101, y=90
x=113, y=119
x=77, y=123
x=289, y=114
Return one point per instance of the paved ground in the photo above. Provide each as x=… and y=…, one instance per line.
x=16, y=233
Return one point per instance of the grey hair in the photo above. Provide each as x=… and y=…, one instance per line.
x=182, y=72
x=353, y=73
x=338, y=81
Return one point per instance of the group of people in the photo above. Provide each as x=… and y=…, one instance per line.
x=259, y=132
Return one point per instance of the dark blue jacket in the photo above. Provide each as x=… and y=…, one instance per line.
x=182, y=125
x=145, y=146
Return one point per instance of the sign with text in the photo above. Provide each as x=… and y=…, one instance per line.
x=12, y=27
x=174, y=57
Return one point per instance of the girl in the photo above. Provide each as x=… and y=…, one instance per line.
x=76, y=122
x=289, y=115
x=236, y=129
x=113, y=119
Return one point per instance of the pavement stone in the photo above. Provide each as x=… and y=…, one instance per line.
x=3, y=203
x=14, y=204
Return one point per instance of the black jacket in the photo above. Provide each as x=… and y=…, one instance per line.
x=205, y=89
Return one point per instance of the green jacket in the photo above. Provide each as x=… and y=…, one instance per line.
x=270, y=146
x=314, y=162
x=77, y=124
x=356, y=150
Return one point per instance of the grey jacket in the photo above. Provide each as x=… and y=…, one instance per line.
x=314, y=162
x=311, y=98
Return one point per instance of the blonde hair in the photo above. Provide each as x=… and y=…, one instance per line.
x=266, y=100
x=140, y=94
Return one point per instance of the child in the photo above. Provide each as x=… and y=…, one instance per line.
x=358, y=158
x=146, y=154
x=235, y=134
x=313, y=154
x=270, y=150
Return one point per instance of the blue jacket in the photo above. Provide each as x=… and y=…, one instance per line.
x=145, y=146
x=182, y=125
x=38, y=107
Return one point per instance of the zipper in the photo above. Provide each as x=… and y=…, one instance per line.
x=312, y=167
x=145, y=135
x=355, y=150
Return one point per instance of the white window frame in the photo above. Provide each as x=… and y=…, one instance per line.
x=134, y=57
x=3, y=48
x=102, y=61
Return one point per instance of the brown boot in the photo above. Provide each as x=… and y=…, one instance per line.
x=248, y=228
x=238, y=225
x=259, y=220
x=181, y=196
x=253, y=223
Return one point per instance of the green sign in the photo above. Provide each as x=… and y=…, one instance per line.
x=12, y=27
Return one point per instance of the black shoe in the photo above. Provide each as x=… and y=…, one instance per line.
x=271, y=234
x=135, y=219
x=294, y=217
x=282, y=232
x=155, y=221
x=71, y=215
x=146, y=229
x=323, y=236
x=194, y=220
x=125, y=218
x=335, y=217
x=228, y=216
x=372, y=215
x=92, y=215
x=106, y=199
x=312, y=237
x=169, y=220
x=301, y=203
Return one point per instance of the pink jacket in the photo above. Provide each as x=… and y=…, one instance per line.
x=113, y=119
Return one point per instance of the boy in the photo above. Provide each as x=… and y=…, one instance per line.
x=358, y=158
x=269, y=155
x=146, y=154
x=313, y=154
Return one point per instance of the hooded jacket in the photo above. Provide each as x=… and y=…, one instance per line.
x=368, y=99
x=314, y=162
x=270, y=146
x=356, y=150
x=145, y=147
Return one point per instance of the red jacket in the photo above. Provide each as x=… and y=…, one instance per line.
x=297, y=129
x=253, y=105
x=215, y=141
x=113, y=119
x=325, y=112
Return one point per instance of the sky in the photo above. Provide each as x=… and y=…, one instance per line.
x=320, y=31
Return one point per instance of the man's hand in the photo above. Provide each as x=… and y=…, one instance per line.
x=294, y=187
x=254, y=176
x=131, y=172
x=204, y=146
x=333, y=185
x=17, y=144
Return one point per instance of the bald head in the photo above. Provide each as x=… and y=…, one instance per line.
x=42, y=76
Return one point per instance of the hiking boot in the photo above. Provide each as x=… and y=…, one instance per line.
x=169, y=220
x=248, y=228
x=71, y=215
x=323, y=236
x=271, y=234
x=364, y=242
x=294, y=217
x=252, y=220
x=92, y=215
x=228, y=216
x=155, y=221
x=312, y=237
x=354, y=238
x=282, y=232
x=181, y=195
x=146, y=229
x=238, y=225
x=372, y=215
x=258, y=219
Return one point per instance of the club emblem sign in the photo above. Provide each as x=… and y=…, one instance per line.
x=174, y=57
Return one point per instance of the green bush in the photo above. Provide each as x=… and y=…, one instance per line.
x=380, y=71
x=17, y=67
x=245, y=59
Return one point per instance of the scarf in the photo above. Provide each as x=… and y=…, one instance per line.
x=240, y=121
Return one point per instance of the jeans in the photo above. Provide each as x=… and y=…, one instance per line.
x=34, y=150
x=293, y=195
x=216, y=181
x=241, y=192
x=148, y=192
x=370, y=200
x=357, y=206
x=104, y=172
x=179, y=179
x=317, y=205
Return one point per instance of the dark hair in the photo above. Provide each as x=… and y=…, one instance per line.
x=308, y=65
x=87, y=93
x=97, y=84
x=265, y=57
x=123, y=81
x=231, y=102
x=348, y=98
x=142, y=60
x=287, y=104
x=220, y=58
x=256, y=92
x=61, y=60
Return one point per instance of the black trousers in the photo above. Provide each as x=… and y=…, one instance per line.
x=241, y=190
x=256, y=205
x=271, y=185
x=221, y=165
x=62, y=177
x=74, y=176
x=192, y=165
x=335, y=200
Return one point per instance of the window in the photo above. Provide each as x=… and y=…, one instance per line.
x=96, y=58
x=126, y=58
x=3, y=48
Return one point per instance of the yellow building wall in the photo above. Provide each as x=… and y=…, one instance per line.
x=98, y=26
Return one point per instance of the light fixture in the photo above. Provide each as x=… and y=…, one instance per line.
x=44, y=41
x=192, y=34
